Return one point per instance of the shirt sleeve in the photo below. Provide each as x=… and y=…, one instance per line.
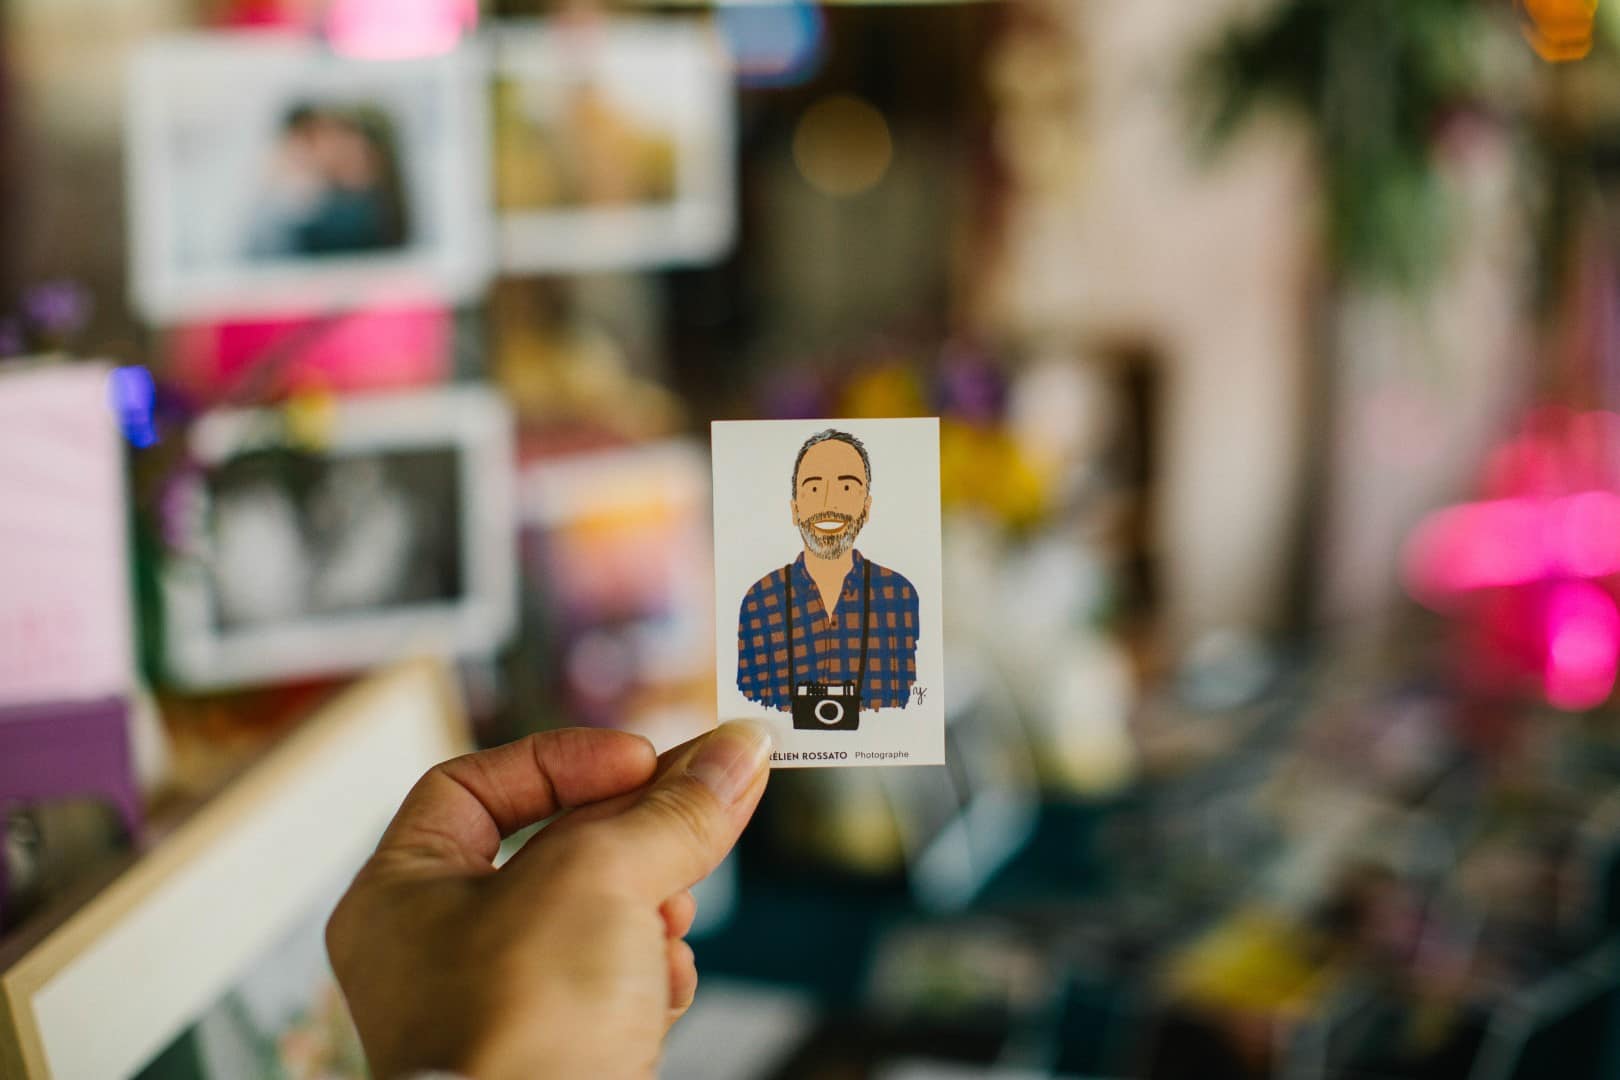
x=751, y=675
x=910, y=628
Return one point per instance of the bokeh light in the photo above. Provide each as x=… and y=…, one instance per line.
x=842, y=146
x=773, y=43
x=131, y=393
x=1559, y=30
x=398, y=29
x=1583, y=645
x=1531, y=569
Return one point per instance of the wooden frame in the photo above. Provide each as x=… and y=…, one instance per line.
x=105, y=991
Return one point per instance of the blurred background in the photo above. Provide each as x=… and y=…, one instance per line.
x=1276, y=346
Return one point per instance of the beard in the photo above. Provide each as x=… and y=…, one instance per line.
x=823, y=546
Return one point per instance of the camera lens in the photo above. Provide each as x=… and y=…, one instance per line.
x=836, y=708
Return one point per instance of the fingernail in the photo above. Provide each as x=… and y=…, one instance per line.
x=729, y=759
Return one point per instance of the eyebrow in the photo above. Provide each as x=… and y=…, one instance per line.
x=807, y=479
x=857, y=479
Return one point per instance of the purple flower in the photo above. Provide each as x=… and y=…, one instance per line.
x=57, y=308
x=794, y=395
x=180, y=506
x=971, y=387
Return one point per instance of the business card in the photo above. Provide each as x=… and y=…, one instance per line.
x=828, y=587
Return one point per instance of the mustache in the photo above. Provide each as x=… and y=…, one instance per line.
x=828, y=515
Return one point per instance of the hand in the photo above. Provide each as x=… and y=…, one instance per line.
x=569, y=960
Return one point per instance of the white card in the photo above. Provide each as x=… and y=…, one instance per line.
x=849, y=508
x=65, y=625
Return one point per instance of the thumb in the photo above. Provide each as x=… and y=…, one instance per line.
x=686, y=822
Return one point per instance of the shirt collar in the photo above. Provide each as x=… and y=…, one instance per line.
x=802, y=572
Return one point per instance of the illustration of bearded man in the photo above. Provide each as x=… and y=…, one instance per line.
x=831, y=621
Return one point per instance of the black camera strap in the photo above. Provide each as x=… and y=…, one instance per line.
x=866, y=611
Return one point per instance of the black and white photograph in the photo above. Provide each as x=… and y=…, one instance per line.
x=303, y=560
x=317, y=182
x=299, y=534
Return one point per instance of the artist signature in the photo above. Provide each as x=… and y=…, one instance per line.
x=918, y=693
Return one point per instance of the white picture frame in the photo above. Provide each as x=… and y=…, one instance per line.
x=208, y=120
x=105, y=990
x=665, y=81
x=473, y=424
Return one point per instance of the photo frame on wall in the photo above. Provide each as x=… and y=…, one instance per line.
x=616, y=546
x=220, y=896
x=396, y=534
x=269, y=176
x=614, y=145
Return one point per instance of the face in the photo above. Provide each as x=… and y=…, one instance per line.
x=832, y=502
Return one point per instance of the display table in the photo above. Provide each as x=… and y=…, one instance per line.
x=100, y=984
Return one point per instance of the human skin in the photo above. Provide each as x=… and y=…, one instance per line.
x=569, y=960
x=832, y=478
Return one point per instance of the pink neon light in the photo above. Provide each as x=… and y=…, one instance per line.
x=1583, y=643
x=1585, y=534
x=398, y=29
x=1509, y=542
x=1533, y=567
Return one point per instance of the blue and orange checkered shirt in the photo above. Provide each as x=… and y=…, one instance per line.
x=828, y=651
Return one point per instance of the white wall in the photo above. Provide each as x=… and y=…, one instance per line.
x=1209, y=263
x=1213, y=265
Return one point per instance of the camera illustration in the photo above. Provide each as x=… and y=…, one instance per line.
x=826, y=707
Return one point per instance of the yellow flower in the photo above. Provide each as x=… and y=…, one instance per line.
x=310, y=416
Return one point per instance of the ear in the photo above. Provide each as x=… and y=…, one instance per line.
x=867, y=509
x=793, y=511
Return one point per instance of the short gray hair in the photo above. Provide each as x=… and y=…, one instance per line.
x=831, y=435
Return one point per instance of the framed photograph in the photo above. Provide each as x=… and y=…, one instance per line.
x=616, y=548
x=269, y=176
x=614, y=145
x=395, y=535
x=828, y=585
x=232, y=901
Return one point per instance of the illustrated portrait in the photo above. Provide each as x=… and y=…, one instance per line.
x=829, y=634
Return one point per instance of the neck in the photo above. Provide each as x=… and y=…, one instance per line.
x=820, y=568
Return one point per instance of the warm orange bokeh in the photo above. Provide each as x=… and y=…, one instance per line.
x=1559, y=30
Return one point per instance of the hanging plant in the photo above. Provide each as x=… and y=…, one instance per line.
x=1377, y=82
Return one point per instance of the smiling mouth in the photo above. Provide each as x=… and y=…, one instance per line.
x=830, y=528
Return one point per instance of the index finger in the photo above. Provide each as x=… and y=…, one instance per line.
x=456, y=815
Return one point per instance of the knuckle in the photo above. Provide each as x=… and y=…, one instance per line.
x=340, y=928
x=455, y=770
x=447, y=769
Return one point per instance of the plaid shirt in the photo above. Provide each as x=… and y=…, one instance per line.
x=828, y=651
